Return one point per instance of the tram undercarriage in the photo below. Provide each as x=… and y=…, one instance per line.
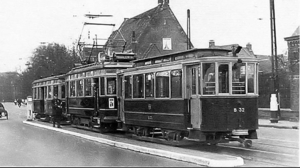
x=94, y=123
x=179, y=138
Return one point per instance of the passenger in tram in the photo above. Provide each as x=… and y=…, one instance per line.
x=56, y=111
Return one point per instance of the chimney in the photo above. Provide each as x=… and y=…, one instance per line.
x=163, y=2
x=249, y=47
x=211, y=43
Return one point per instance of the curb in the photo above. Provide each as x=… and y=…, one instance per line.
x=230, y=161
x=282, y=127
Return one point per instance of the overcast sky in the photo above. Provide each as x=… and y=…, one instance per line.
x=24, y=24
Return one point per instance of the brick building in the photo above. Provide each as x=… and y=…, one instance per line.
x=154, y=32
x=293, y=59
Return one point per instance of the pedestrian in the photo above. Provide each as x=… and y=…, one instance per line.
x=56, y=111
x=19, y=102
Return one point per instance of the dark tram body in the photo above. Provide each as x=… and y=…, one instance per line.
x=92, y=99
x=43, y=93
x=203, y=94
x=207, y=95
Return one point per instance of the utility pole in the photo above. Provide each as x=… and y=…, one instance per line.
x=275, y=96
x=188, y=30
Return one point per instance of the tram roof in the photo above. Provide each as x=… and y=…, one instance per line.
x=202, y=51
x=98, y=65
x=59, y=77
x=198, y=52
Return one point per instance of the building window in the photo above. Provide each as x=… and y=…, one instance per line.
x=167, y=44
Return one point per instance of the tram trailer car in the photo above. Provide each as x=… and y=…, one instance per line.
x=92, y=99
x=208, y=95
x=43, y=93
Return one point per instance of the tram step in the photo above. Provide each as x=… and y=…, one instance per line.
x=96, y=126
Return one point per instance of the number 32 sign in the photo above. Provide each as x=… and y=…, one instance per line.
x=240, y=109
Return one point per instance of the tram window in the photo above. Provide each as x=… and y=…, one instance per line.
x=162, y=84
x=34, y=93
x=238, y=78
x=223, y=78
x=88, y=87
x=209, y=78
x=72, y=89
x=45, y=92
x=127, y=86
x=149, y=84
x=41, y=93
x=79, y=84
x=176, y=83
x=194, y=76
x=138, y=86
x=250, y=77
x=102, y=86
x=111, y=86
x=199, y=79
x=37, y=94
x=63, y=93
x=49, y=92
x=55, y=90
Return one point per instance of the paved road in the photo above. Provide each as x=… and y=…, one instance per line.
x=25, y=145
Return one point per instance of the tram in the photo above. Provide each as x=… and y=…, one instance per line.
x=43, y=93
x=207, y=95
x=92, y=100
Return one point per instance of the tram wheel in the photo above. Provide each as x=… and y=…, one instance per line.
x=247, y=143
x=179, y=136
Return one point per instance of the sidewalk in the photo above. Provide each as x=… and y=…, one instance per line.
x=281, y=124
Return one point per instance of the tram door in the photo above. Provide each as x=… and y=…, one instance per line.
x=42, y=101
x=96, y=93
x=193, y=81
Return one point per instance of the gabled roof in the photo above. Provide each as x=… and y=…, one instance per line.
x=145, y=32
x=297, y=32
x=295, y=35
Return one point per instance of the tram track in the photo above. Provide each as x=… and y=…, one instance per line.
x=284, y=146
x=253, y=156
x=264, y=155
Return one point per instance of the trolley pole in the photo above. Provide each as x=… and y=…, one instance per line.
x=275, y=96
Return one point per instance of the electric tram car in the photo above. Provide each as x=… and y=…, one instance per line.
x=208, y=95
x=44, y=91
x=92, y=93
